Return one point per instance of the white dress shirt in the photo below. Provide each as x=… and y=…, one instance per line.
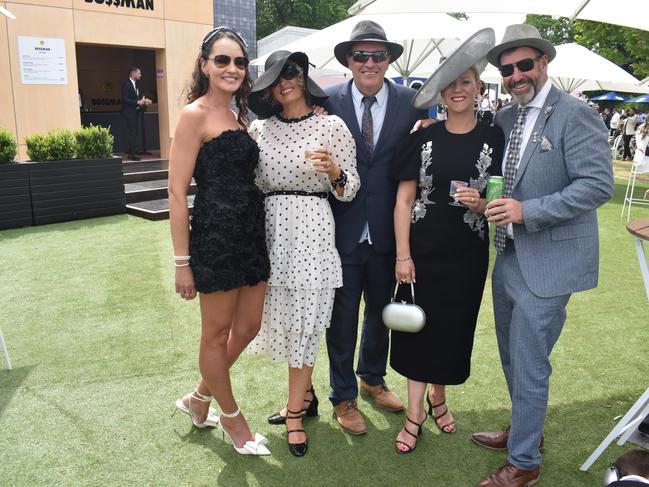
x=534, y=108
x=378, y=110
x=137, y=93
x=637, y=478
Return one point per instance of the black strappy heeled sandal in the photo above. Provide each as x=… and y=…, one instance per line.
x=311, y=410
x=297, y=449
x=410, y=449
x=431, y=413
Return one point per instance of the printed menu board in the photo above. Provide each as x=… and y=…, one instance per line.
x=42, y=61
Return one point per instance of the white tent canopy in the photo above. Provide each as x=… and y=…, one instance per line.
x=425, y=37
x=578, y=68
x=634, y=15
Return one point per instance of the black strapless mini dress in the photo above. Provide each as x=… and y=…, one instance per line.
x=227, y=240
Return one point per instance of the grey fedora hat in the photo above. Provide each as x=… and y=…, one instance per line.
x=471, y=52
x=366, y=31
x=519, y=35
x=273, y=67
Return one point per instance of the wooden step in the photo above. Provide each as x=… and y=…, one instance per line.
x=155, y=209
x=150, y=190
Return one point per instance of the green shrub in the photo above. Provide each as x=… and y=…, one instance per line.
x=94, y=142
x=61, y=145
x=57, y=145
x=8, y=146
x=37, y=147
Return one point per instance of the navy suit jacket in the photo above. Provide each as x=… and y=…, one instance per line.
x=129, y=97
x=374, y=202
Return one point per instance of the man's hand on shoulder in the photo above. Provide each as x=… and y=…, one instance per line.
x=422, y=124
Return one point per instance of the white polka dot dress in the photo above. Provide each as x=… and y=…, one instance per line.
x=305, y=266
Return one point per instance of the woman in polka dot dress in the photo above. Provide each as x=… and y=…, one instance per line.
x=300, y=234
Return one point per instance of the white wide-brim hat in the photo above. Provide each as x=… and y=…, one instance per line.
x=472, y=52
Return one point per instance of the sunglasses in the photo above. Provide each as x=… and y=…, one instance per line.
x=208, y=37
x=223, y=60
x=363, y=56
x=524, y=65
x=289, y=71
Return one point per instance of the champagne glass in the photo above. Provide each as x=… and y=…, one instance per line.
x=453, y=191
x=310, y=149
x=309, y=152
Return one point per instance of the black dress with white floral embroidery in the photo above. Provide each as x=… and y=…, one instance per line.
x=227, y=240
x=449, y=246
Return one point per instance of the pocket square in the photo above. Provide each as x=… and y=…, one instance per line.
x=546, y=145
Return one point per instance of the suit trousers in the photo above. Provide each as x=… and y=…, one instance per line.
x=527, y=327
x=367, y=274
x=130, y=117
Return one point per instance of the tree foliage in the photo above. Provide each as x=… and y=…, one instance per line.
x=556, y=31
x=626, y=47
x=272, y=15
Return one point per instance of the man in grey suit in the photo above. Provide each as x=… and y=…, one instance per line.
x=379, y=115
x=557, y=171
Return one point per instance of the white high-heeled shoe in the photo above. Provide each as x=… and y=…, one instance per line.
x=211, y=421
x=255, y=447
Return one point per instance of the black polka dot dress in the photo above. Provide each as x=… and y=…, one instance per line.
x=305, y=266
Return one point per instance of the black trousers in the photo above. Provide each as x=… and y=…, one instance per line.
x=130, y=117
x=627, y=147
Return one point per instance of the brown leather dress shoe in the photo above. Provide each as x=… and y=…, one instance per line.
x=510, y=476
x=495, y=440
x=383, y=397
x=350, y=418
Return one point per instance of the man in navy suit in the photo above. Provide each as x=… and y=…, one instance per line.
x=379, y=115
x=132, y=103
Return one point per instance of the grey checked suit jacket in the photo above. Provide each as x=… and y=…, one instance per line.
x=564, y=175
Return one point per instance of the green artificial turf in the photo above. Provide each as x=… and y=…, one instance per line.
x=102, y=347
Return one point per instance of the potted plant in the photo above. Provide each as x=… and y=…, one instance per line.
x=15, y=203
x=65, y=188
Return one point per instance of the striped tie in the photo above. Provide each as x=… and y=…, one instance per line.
x=511, y=165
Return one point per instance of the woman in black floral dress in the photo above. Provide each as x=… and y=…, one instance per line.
x=223, y=256
x=442, y=242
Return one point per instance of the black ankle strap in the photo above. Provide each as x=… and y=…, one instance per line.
x=296, y=414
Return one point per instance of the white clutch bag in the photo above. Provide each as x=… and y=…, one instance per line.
x=403, y=316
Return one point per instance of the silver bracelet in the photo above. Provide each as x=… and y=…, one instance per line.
x=186, y=264
x=182, y=257
x=405, y=259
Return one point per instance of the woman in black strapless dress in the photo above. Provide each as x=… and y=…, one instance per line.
x=222, y=254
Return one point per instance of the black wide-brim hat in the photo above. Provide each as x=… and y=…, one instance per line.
x=272, y=68
x=366, y=31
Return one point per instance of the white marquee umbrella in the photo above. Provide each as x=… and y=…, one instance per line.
x=578, y=68
x=633, y=15
x=425, y=37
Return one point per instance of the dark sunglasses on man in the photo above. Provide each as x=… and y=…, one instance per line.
x=223, y=60
x=363, y=56
x=524, y=65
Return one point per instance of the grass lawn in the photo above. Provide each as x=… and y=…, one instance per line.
x=102, y=347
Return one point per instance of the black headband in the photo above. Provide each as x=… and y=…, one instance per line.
x=221, y=28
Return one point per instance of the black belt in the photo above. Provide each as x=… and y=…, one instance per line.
x=297, y=193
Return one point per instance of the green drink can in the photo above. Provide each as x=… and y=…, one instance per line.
x=495, y=188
